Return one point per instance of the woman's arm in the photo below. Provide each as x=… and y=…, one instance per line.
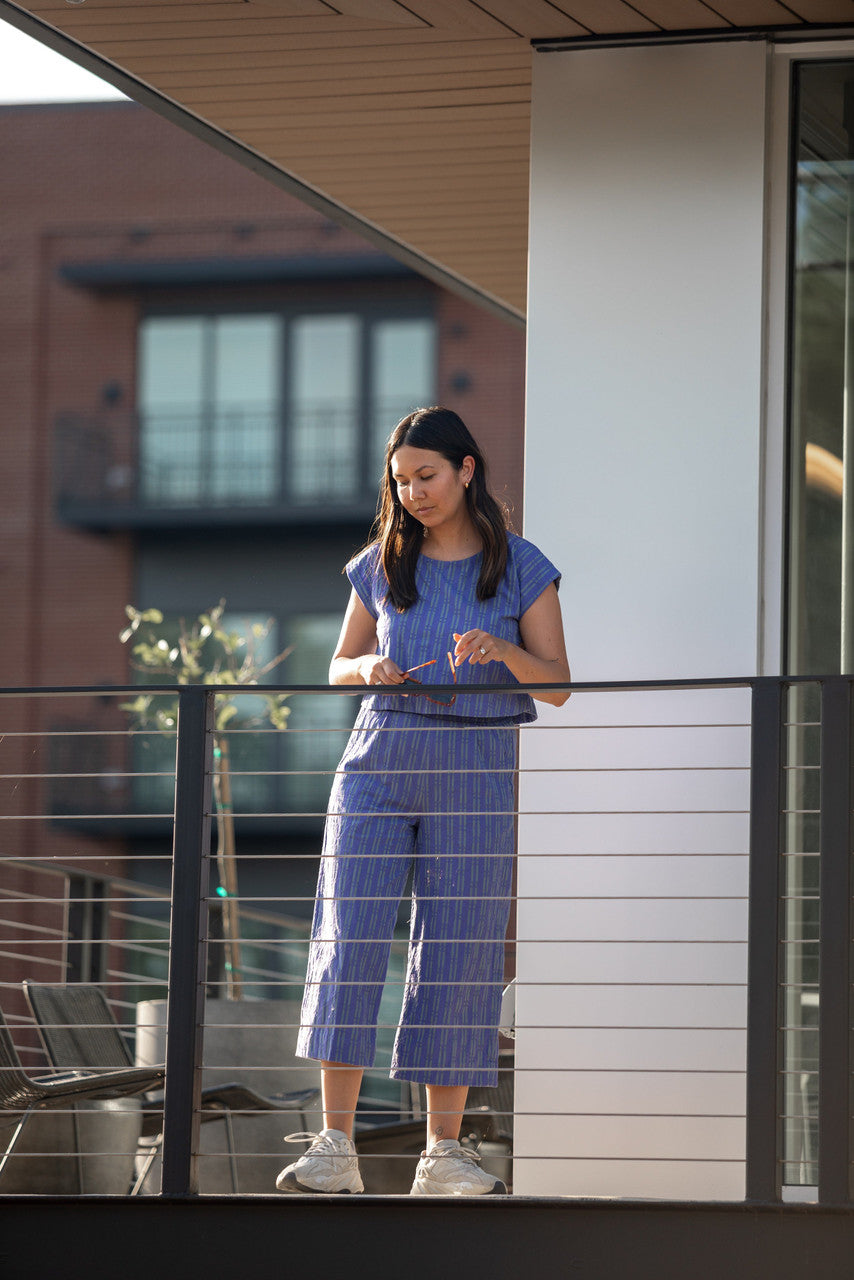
x=542, y=655
x=355, y=660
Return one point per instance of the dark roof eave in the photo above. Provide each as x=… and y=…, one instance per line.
x=129, y=273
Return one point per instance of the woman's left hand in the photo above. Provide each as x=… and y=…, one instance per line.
x=479, y=647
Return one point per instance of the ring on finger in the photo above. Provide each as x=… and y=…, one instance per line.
x=482, y=652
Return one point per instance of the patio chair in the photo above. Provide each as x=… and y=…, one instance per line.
x=78, y=1029
x=23, y=1094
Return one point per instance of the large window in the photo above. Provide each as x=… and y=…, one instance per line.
x=280, y=407
x=209, y=403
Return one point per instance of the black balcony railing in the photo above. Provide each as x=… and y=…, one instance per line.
x=239, y=466
x=793, y=740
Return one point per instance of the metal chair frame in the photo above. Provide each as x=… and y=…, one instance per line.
x=77, y=1025
x=24, y=1094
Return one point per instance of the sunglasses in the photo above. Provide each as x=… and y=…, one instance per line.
x=440, y=699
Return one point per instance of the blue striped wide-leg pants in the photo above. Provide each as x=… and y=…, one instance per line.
x=434, y=795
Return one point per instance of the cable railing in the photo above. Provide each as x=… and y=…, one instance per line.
x=679, y=946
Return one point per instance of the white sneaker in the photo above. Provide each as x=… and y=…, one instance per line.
x=448, y=1169
x=329, y=1166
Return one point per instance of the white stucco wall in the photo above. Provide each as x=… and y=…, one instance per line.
x=644, y=446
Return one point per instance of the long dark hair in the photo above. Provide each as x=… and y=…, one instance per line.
x=400, y=535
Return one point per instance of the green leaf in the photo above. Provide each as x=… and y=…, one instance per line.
x=278, y=712
x=139, y=706
x=225, y=713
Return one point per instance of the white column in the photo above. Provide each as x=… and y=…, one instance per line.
x=644, y=445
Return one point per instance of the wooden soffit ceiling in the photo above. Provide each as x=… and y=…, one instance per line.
x=410, y=117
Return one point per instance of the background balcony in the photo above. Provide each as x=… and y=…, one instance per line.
x=180, y=469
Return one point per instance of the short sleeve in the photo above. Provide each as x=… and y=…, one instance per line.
x=362, y=574
x=534, y=572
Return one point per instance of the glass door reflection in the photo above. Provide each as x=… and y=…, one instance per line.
x=820, y=623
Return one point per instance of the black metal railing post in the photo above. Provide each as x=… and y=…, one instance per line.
x=835, y=933
x=764, y=1170
x=188, y=941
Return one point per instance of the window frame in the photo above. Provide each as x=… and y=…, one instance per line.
x=370, y=312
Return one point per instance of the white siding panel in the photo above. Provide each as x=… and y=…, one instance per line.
x=643, y=471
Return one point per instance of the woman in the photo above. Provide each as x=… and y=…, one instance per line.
x=426, y=784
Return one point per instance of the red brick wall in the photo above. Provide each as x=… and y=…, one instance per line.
x=490, y=354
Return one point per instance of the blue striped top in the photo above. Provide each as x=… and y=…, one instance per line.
x=447, y=603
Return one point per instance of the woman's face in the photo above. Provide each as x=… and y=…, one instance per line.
x=430, y=487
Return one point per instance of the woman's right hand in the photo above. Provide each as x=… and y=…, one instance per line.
x=376, y=670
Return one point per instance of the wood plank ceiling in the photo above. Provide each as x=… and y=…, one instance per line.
x=411, y=115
